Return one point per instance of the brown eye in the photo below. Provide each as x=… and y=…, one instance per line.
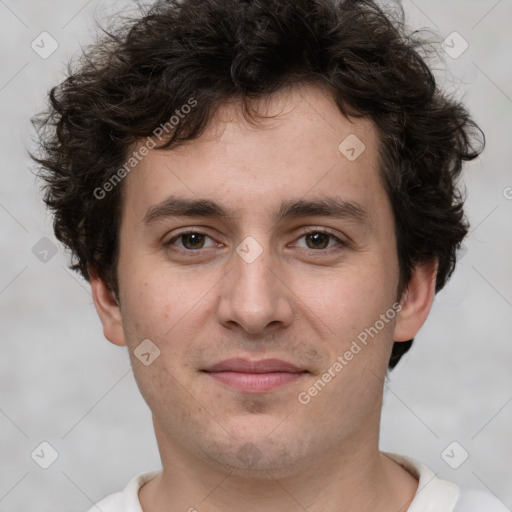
x=190, y=241
x=320, y=240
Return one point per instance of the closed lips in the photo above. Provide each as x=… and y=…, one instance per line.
x=263, y=366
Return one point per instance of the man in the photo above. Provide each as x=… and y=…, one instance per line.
x=262, y=195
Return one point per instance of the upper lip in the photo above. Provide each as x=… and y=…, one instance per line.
x=246, y=366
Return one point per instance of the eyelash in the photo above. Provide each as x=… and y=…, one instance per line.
x=340, y=243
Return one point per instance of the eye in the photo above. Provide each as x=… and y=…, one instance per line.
x=315, y=239
x=190, y=240
x=318, y=239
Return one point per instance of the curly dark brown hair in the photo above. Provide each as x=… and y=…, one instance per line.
x=139, y=74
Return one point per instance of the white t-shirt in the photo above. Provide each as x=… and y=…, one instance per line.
x=433, y=494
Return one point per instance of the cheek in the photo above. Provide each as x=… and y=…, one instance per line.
x=349, y=299
x=150, y=290
x=170, y=310
x=154, y=311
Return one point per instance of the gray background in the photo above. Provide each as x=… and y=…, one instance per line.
x=63, y=383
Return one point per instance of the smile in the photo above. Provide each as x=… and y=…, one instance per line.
x=255, y=376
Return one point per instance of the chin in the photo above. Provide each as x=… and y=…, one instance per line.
x=257, y=455
x=251, y=462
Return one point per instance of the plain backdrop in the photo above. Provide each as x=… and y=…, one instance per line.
x=62, y=383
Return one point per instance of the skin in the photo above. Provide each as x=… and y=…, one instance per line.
x=223, y=449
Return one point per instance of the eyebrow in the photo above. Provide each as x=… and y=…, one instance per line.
x=336, y=207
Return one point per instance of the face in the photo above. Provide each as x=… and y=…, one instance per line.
x=253, y=259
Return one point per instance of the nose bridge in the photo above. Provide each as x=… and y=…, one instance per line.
x=253, y=296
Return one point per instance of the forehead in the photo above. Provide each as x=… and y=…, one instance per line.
x=303, y=147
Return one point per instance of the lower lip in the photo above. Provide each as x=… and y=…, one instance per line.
x=256, y=382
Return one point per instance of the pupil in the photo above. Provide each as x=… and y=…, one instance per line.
x=191, y=236
x=316, y=236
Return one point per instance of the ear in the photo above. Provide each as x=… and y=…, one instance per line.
x=108, y=309
x=416, y=301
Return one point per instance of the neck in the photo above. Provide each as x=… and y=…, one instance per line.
x=344, y=480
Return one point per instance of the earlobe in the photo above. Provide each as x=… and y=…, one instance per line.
x=416, y=301
x=108, y=310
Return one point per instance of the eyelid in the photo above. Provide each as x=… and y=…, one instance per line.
x=341, y=242
x=186, y=231
x=326, y=231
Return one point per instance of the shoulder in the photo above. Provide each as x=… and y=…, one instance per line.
x=435, y=494
x=109, y=504
x=473, y=500
x=126, y=500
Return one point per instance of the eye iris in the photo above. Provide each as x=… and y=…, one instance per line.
x=316, y=237
x=196, y=238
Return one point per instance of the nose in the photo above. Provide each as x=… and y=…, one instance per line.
x=254, y=296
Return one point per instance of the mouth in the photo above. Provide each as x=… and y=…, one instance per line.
x=255, y=376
